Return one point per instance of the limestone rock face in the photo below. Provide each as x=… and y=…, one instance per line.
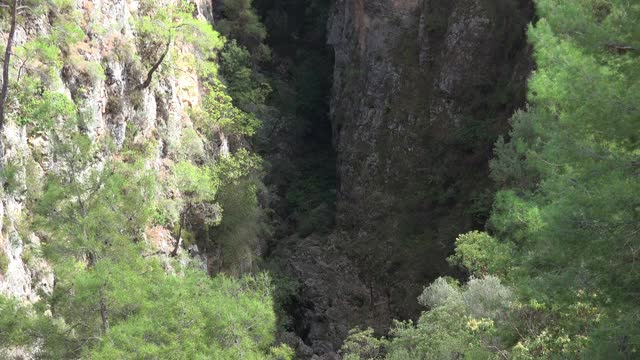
x=26, y=275
x=422, y=89
x=99, y=79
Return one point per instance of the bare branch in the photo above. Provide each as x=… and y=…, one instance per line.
x=620, y=48
x=7, y=58
x=155, y=67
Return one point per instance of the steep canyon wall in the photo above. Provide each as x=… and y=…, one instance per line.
x=421, y=91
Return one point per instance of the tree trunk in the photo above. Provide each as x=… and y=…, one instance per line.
x=5, y=74
x=155, y=67
x=179, y=236
x=103, y=313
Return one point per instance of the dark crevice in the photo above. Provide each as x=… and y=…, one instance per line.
x=296, y=311
x=302, y=160
x=299, y=150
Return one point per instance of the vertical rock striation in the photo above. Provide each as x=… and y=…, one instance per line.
x=422, y=89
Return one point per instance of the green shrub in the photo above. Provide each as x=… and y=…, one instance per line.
x=481, y=254
x=247, y=87
x=160, y=28
x=10, y=175
x=439, y=293
x=462, y=322
x=28, y=256
x=363, y=345
x=487, y=298
x=191, y=145
x=219, y=111
x=242, y=226
x=282, y=352
x=241, y=22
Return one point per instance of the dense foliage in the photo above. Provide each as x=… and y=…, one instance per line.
x=97, y=204
x=556, y=273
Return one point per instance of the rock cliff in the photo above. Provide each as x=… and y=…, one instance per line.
x=421, y=91
x=99, y=75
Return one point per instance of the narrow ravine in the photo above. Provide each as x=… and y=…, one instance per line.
x=300, y=150
x=402, y=103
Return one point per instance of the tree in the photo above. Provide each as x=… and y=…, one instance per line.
x=13, y=8
x=97, y=202
x=241, y=22
x=362, y=344
x=105, y=301
x=92, y=217
x=198, y=187
x=248, y=88
x=161, y=27
x=565, y=225
x=218, y=111
x=201, y=318
x=243, y=224
x=481, y=254
x=461, y=323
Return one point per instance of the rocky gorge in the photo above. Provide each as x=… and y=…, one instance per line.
x=421, y=91
x=319, y=179
x=413, y=97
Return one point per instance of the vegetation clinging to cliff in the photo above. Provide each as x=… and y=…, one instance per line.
x=97, y=204
x=563, y=233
